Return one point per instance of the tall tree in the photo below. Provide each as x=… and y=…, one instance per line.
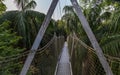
x=70, y=19
x=25, y=21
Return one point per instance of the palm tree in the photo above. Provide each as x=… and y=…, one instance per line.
x=25, y=22
x=24, y=5
x=70, y=18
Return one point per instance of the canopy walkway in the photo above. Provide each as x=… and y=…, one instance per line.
x=64, y=65
x=72, y=57
x=84, y=59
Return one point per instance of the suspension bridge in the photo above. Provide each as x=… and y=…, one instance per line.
x=74, y=57
x=70, y=55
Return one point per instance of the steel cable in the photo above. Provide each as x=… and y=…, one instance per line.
x=11, y=58
x=93, y=50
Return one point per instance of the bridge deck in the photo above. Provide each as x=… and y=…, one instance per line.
x=64, y=64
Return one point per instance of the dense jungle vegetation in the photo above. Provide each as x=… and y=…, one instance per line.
x=18, y=29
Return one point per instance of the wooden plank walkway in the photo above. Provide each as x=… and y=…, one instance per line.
x=64, y=64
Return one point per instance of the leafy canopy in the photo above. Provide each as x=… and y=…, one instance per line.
x=8, y=47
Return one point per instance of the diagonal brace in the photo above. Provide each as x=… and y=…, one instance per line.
x=39, y=38
x=92, y=38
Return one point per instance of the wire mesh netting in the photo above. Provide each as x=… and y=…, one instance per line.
x=85, y=61
x=43, y=64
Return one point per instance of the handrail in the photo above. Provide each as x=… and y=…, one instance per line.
x=13, y=57
x=93, y=50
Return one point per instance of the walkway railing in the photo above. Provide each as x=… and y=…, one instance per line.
x=85, y=57
x=43, y=64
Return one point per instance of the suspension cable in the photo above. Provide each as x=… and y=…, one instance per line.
x=41, y=50
x=93, y=50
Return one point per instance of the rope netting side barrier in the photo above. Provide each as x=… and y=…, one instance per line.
x=43, y=64
x=85, y=61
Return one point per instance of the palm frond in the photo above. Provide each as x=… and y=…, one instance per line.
x=30, y=5
x=68, y=9
x=114, y=26
x=20, y=24
x=25, y=4
x=111, y=45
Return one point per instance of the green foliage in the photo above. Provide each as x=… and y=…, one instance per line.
x=2, y=7
x=26, y=24
x=70, y=19
x=8, y=40
x=104, y=20
x=60, y=28
x=8, y=47
x=23, y=21
x=25, y=4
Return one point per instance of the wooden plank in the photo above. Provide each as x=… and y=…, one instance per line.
x=39, y=37
x=92, y=38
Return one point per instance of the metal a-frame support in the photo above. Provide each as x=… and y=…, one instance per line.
x=86, y=28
